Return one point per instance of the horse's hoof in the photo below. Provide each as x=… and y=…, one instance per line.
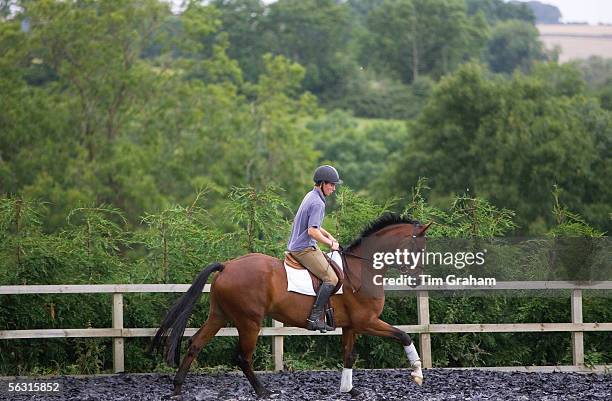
x=417, y=378
x=417, y=373
x=177, y=397
x=265, y=393
x=355, y=393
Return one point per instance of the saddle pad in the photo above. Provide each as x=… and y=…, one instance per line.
x=298, y=280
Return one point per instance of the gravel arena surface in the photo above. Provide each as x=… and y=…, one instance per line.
x=379, y=385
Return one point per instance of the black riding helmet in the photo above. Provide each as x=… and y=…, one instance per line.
x=327, y=173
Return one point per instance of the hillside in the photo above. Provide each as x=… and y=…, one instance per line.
x=577, y=41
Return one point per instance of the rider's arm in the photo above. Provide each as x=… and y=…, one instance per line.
x=317, y=234
x=327, y=234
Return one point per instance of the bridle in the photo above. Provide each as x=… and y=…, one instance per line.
x=344, y=253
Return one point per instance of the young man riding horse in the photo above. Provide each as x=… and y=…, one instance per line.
x=248, y=288
x=305, y=234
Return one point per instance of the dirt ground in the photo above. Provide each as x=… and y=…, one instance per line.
x=379, y=385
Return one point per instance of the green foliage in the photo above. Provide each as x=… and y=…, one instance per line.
x=114, y=113
x=260, y=219
x=355, y=53
x=498, y=10
x=569, y=223
x=467, y=216
x=244, y=23
x=276, y=147
x=89, y=360
x=374, y=95
x=341, y=140
x=188, y=237
x=409, y=37
x=595, y=70
x=545, y=13
x=32, y=256
x=352, y=214
x=311, y=33
x=508, y=140
x=512, y=45
x=178, y=240
x=105, y=125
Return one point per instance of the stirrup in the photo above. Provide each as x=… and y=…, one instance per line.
x=314, y=325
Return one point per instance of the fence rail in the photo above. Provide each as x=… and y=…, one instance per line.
x=424, y=328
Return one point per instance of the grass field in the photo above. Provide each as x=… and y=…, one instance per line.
x=578, y=41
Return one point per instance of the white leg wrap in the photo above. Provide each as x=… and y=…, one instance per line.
x=346, y=384
x=412, y=354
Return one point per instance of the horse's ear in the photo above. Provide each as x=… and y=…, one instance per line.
x=424, y=229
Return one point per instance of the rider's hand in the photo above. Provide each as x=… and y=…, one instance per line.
x=335, y=245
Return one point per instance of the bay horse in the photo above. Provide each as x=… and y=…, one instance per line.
x=251, y=287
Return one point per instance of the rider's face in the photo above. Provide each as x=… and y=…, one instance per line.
x=329, y=188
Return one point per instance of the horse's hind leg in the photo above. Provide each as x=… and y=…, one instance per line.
x=248, y=332
x=213, y=324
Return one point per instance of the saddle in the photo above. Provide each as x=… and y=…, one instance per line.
x=316, y=282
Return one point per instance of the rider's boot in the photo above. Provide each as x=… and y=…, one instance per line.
x=315, y=322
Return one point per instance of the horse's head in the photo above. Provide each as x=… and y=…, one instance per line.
x=413, y=242
x=410, y=240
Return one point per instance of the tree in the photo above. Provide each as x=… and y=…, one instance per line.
x=361, y=8
x=141, y=109
x=410, y=37
x=605, y=96
x=360, y=151
x=514, y=44
x=311, y=33
x=498, y=10
x=510, y=141
x=244, y=23
x=372, y=94
x=72, y=121
x=595, y=70
x=276, y=148
x=545, y=13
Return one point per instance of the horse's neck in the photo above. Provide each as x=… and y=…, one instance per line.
x=360, y=271
x=379, y=242
x=360, y=274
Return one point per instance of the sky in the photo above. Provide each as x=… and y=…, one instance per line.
x=591, y=11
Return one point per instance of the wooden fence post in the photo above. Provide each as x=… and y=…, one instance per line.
x=118, y=350
x=423, y=317
x=277, y=348
x=577, y=336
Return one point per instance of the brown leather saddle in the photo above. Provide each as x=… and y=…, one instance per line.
x=316, y=282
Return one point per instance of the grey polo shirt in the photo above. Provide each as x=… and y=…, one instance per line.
x=310, y=214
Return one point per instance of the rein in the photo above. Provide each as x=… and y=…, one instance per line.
x=345, y=254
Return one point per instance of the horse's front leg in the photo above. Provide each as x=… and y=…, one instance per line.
x=348, y=346
x=384, y=329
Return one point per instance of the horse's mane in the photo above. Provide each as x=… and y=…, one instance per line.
x=381, y=222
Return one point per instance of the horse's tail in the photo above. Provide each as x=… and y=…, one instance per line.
x=173, y=326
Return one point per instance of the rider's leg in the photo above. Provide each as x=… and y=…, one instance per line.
x=315, y=321
x=314, y=260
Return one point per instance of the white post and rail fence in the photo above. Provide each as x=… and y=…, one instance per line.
x=424, y=328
